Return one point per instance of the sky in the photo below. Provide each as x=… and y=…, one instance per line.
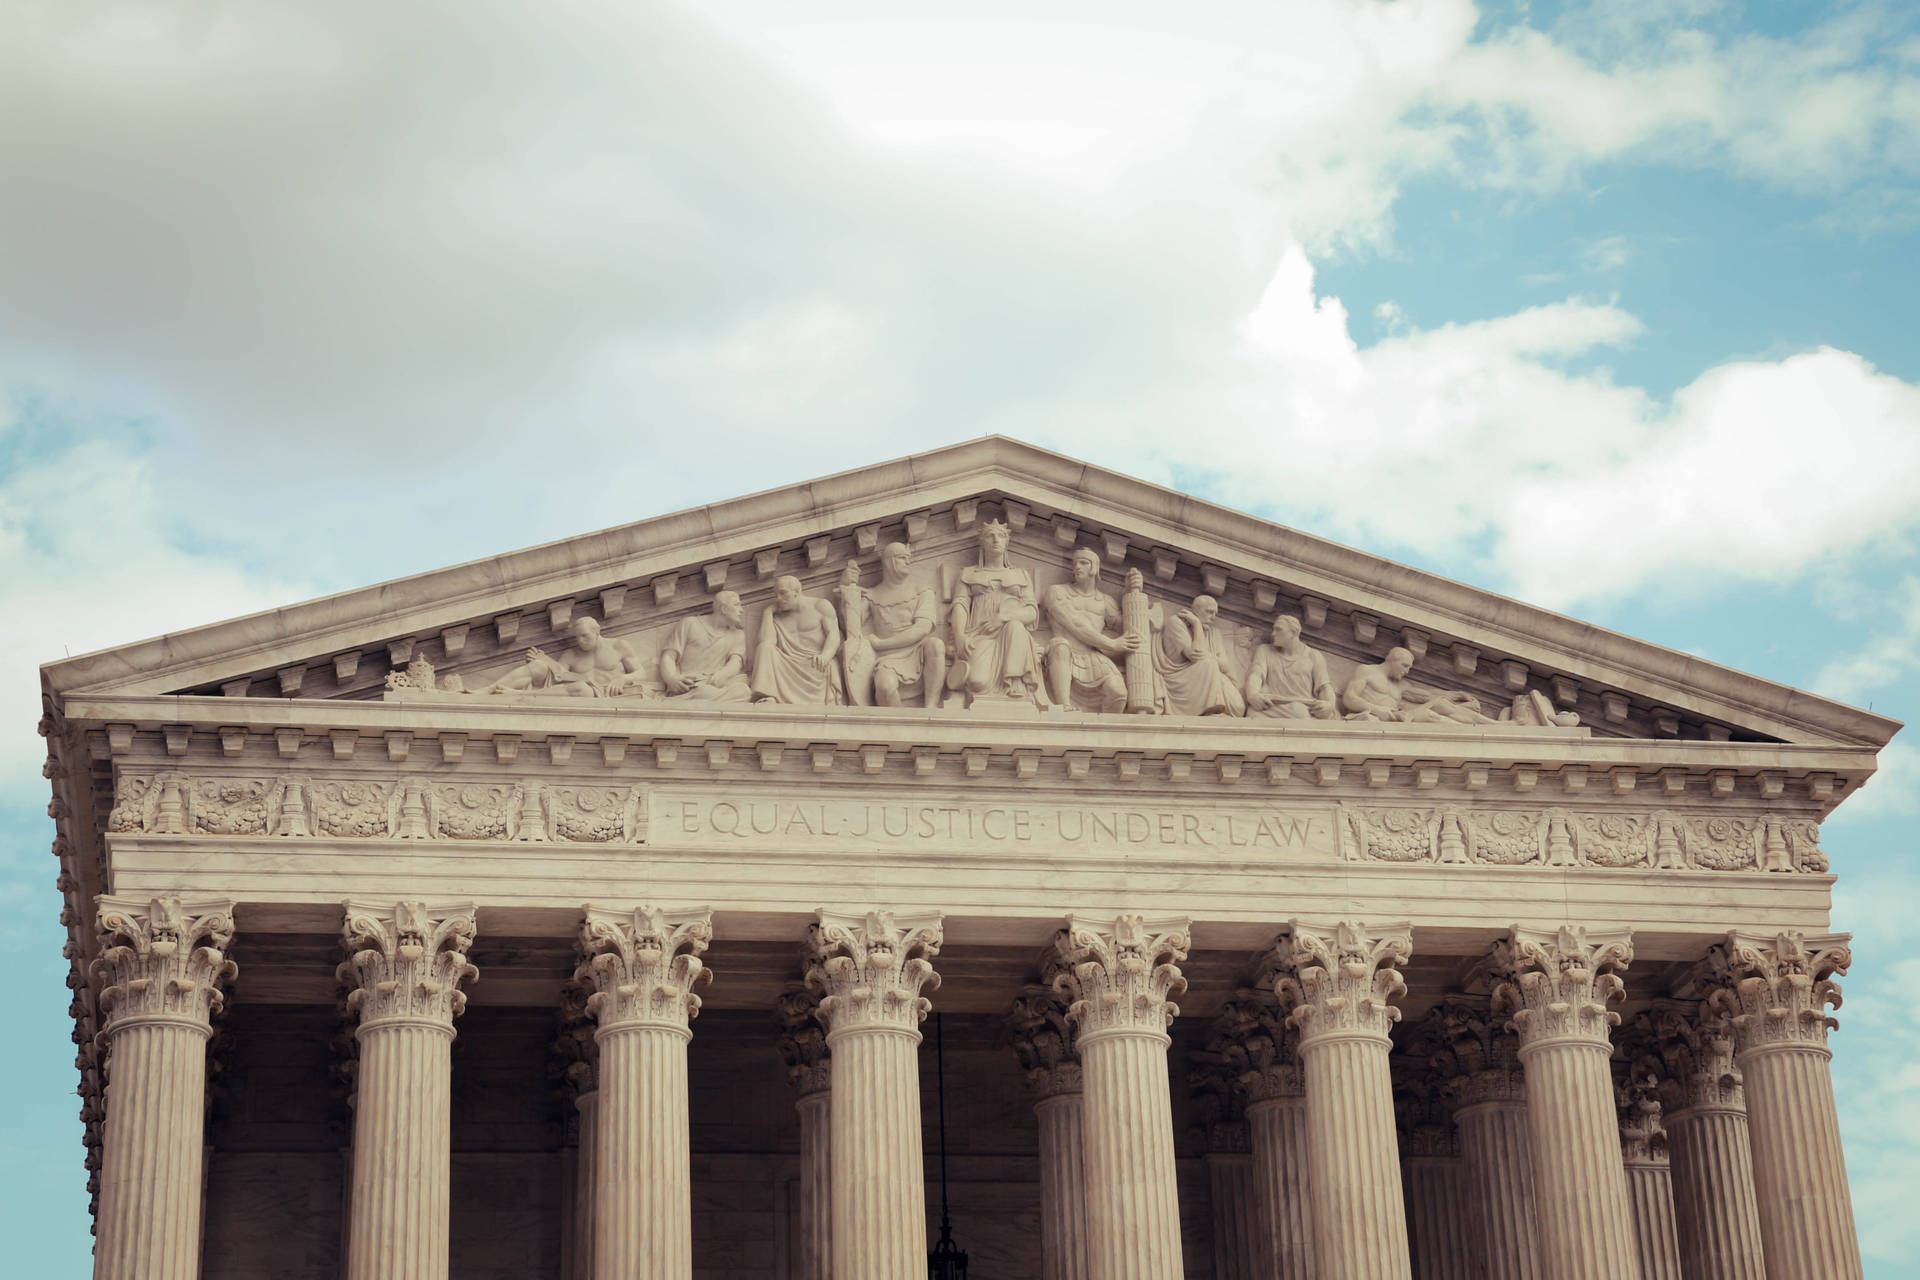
x=1609, y=307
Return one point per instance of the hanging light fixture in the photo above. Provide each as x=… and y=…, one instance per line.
x=946, y=1262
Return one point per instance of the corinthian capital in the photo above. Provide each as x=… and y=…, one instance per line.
x=803, y=1040
x=1042, y=1039
x=1776, y=989
x=641, y=966
x=162, y=960
x=1339, y=979
x=1481, y=1058
x=406, y=962
x=870, y=968
x=1686, y=1048
x=1117, y=978
x=1262, y=1043
x=1555, y=984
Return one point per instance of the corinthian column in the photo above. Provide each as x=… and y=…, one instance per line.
x=1337, y=980
x=1687, y=1050
x=1776, y=992
x=1117, y=980
x=580, y=1085
x=803, y=1046
x=1442, y=1238
x=160, y=967
x=1043, y=1041
x=1556, y=984
x=405, y=963
x=1643, y=1149
x=1264, y=1052
x=870, y=970
x=1488, y=1091
x=641, y=967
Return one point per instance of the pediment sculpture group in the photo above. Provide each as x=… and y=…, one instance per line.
x=892, y=644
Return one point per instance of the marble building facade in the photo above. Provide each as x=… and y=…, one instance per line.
x=1289, y=912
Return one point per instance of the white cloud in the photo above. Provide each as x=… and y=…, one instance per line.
x=1886, y=656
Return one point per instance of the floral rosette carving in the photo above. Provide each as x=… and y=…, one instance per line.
x=1042, y=1040
x=230, y=806
x=1722, y=843
x=406, y=963
x=641, y=967
x=1615, y=839
x=355, y=810
x=1776, y=991
x=1555, y=984
x=803, y=1040
x=1340, y=979
x=1505, y=837
x=870, y=969
x=162, y=960
x=1120, y=978
x=472, y=810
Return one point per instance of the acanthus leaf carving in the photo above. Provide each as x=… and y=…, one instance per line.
x=1043, y=1041
x=1686, y=1049
x=1119, y=978
x=1481, y=1062
x=803, y=1040
x=1555, y=984
x=1341, y=978
x=406, y=962
x=871, y=968
x=1776, y=990
x=162, y=959
x=642, y=966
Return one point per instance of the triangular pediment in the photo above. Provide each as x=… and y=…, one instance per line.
x=474, y=622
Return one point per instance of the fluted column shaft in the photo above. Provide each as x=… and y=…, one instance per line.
x=1716, y=1217
x=1359, y=1216
x=1339, y=980
x=1557, y=985
x=1280, y=1160
x=1233, y=1198
x=1438, y=1224
x=149, y=1216
x=1580, y=1184
x=161, y=964
x=641, y=967
x=402, y=1167
x=815, y=1260
x=1651, y=1192
x=643, y=1175
x=1775, y=991
x=1133, y=1203
x=1497, y=1161
x=585, y=1178
x=1799, y=1173
x=1063, y=1187
x=405, y=966
x=871, y=969
x=879, y=1229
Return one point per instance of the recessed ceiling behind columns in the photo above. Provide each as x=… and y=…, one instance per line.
x=297, y=968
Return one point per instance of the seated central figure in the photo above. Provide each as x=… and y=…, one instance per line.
x=992, y=619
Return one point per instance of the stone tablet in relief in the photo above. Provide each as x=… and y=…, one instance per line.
x=1087, y=637
x=891, y=650
x=1379, y=691
x=704, y=659
x=992, y=619
x=594, y=667
x=1289, y=681
x=795, y=660
x=1193, y=661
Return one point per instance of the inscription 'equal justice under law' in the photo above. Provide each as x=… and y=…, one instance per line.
x=1105, y=826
